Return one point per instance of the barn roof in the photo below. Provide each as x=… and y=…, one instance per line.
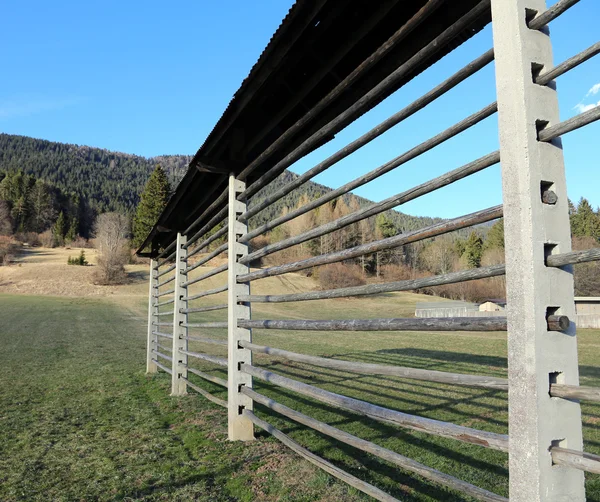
x=317, y=45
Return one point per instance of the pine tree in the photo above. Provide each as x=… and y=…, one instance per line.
x=58, y=231
x=495, y=236
x=584, y=221
x=152, y=202
x=71, y=234
x=474, y=250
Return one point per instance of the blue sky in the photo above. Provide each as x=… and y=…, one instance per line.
x=153, y=78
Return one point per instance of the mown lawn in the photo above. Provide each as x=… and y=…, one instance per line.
x=79, y=420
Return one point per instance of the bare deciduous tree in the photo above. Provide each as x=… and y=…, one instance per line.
x=112, y=232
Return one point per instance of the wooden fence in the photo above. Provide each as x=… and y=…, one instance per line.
x=544, y=444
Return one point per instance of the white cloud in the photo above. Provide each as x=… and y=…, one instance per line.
x=580, y=107
x=22, y=107
x=594, y=90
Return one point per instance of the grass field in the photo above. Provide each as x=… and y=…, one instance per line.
x=79, y=420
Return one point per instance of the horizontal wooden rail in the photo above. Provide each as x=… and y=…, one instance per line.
x=568, y=65
x=573, y=257
x=581, y=120
x=169, y=257
x=164, y=272
x=208, y=292
x=375, y=246
x=209, y=240
x=385, y=415
x=164, y=253
x=212, y=223
x=328, y=467
x=164, y=313
x=210, y=325
x=162, y=366
x=164, y=335
x=205, y=276
x=166, y=281
x=204, y=309
x=202, y=339
x=398, y=324
x=169, y=349
x=206, y=357
x=380, y=369
x=551, y=14
x=204, y=393
x=386, y=287
x=160, y=304
x=576, y=459
x=160, y=354
x=374, y=133
x=162, y=324
x=367, y=446
x=578, y=392
x=372, y=97
x=214, y=254
x=168, y=292
x=378, y=172
x=211, y=378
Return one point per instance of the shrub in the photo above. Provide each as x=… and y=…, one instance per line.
x=79, y=260
x=8, y=249
x=47, y=239
x=112, y=230
x=30, y=238
x=339, y=275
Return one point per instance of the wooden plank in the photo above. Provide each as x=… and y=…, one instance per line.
x=204, y=309
x=380, y=369
x=576, y=459
x=369, y=136
x=328, y=467
x=398, y=324
x=371, y=247
x=367, y=446
x=222, y=324
x=385, y=415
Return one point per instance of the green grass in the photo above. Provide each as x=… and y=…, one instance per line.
x=79, y=420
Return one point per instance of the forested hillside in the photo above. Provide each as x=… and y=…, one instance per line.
x=112, y=181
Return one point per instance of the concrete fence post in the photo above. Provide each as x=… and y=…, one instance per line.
x=534, y=229
x=151, y=340
x=180, y=332
x=239, y=426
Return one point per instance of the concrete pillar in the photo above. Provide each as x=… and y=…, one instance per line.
x=152, y=311
x=240, y=428
x=533, y=230
x=180, y=333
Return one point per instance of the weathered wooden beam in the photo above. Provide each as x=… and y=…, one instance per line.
x=205, y=276
x=164, y=335
x=208, y=292
x=385, y=415
x=221, y=361
x=206, y=394
x=568, y=65
x=211, y=341
x=379, y=451
x=211, y=378
x=577, y=392
x=380, y=369
x=323, y=464
x=164, y=356
x=219, y=233
x=162, y=366
x=204, y=309
x=399, y=324
x=576, y=459
x=551, y=14
x=214, y=254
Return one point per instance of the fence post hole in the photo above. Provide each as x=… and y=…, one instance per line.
x=239, y=426
x=178, y=385
x=534, y=229
x=152, y=318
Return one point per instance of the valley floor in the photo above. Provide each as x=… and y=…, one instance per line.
x=79, y=419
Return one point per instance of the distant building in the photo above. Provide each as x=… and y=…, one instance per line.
x=587, y=304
